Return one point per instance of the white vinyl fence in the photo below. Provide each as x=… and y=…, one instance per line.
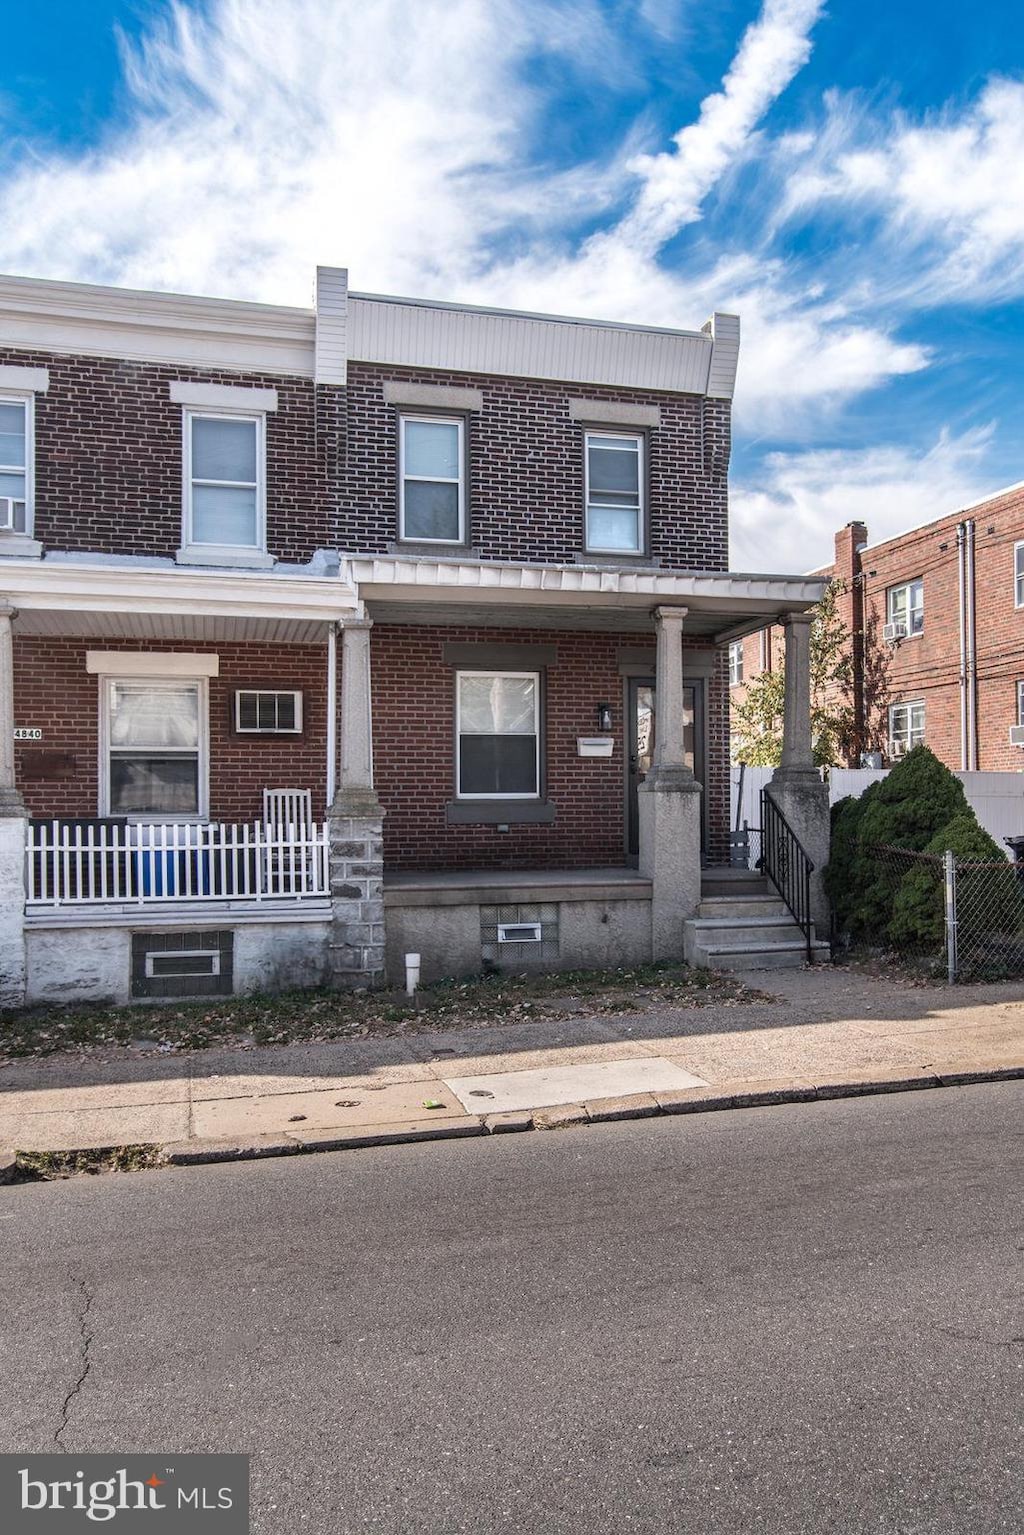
x=997, y=799
x=69, y=864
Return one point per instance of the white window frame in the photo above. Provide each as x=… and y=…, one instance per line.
x=202, y=812
x=1018, y=575
x=263, y=730
x=481, y=671
x=906, y=614
x=908, y=732
x=1020, y=703
x=28, y=401
x=735, y=663
x=638, y=439
x=224, y=552
x=431, y=419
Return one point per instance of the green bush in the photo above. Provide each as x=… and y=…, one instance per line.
x=847, y=815
x=918, y=798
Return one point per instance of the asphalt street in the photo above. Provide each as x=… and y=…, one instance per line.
x=782, y=1320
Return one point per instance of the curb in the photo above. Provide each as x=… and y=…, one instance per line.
x=694, y=1100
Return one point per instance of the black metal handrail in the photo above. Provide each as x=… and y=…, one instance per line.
x=787, y=866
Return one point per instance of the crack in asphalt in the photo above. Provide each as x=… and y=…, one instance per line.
x=972, y=1337
x=85, y=1347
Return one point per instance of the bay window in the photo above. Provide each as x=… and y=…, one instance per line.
x=498, y=735
x=432, y=480
x=614, y=474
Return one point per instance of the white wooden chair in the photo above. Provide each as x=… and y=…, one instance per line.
x=287, y=815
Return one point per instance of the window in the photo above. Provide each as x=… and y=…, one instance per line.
x=906, y=727
x=432, y=495
x=905, y=605
x=259, y=711
x=1018, y=573
x=15, y=464
x=614, y=493
x=224, y=481
x=154, y=735
x=735, y=663
x=1020, y=703
x=497, y=724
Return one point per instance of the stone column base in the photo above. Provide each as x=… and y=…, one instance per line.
x=803, y=800
x=357, y=891
x=669, y=814
x=12, y=906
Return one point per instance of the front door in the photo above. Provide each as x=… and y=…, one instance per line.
x=641, y=735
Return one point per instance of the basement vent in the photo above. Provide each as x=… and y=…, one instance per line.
x=182, y=964
x=519, y=935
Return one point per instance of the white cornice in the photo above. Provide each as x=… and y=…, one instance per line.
x=173, y=328
x=81, y=319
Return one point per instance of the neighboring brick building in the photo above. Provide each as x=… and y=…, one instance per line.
x=936, y=619
x=207, y=506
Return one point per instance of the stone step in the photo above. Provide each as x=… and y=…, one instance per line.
x=732, y=882
x=766, y=905
x=771, y=928
x=751, y=956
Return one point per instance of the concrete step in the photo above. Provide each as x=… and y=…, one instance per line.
x=732, y=882
x=751, y=956
x=773, y=928
x=719, y=906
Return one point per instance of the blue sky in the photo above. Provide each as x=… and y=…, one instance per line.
x=849, y=177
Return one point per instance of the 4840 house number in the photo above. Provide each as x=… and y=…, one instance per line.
x=22, y=733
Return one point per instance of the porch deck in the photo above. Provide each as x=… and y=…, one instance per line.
x=457, y=887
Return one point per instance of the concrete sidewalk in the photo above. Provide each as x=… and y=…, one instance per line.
x=826, y=1032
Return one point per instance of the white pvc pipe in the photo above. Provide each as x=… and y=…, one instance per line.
x=962, y=616
x=412, y=974
x=332, y=710
x=972, y=653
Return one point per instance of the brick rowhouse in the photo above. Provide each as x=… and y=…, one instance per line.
x=970, y=701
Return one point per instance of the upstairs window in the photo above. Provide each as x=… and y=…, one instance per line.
x=497, y=725
x=224, y=481
x=1018, y=575
x=904, y=607
x=906, y=728
x=735, y=663
x=431, y=471
x=614, y=492
x=15, y=465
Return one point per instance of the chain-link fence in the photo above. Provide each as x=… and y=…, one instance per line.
x=942, y=915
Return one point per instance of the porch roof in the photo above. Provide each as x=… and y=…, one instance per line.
x=148, y=599
x=721, y=605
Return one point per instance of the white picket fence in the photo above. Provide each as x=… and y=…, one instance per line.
x=103, y=864
x=997, y=799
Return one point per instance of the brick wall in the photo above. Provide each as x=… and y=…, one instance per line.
x=109, y=456
x=54, y=693
x=413, y=730
x=526, y=469
x=927, y=667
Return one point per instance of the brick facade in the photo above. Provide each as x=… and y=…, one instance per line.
x=109, y=456
x=54, y=693
x=414, y=751
x=525, y=480
x=926, y=667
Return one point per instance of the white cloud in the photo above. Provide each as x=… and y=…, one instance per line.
x=801, y=499
x=950, y=190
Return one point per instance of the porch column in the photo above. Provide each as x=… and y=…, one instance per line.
x=356, y=826
x=796, y=785
x=12, y=833
x=669, y=802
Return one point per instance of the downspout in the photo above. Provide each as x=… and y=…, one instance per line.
x=332, y=711
x=962, y=621
x=972, y=653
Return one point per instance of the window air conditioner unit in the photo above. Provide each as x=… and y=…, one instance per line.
x=897, y=630
x=897, y=748
x=1017, y=735
x=7, y=505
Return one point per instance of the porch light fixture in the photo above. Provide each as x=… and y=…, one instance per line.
x=604, y=717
